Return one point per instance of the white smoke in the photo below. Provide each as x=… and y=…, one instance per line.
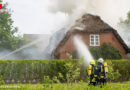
x=68, y=6
x=109, y=10
x=73, y=9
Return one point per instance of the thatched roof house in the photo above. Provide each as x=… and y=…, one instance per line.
x=91, y=27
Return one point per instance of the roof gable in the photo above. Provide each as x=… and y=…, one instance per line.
x=91, y=24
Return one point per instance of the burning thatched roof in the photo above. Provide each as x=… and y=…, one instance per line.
x=90, y=24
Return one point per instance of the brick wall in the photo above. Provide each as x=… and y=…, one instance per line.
x=107, y=37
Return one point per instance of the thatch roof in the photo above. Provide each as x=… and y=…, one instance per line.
x=90, y=24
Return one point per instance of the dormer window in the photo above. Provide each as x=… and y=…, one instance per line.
x=94, y=40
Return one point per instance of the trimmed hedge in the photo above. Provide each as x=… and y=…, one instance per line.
x=29, y=70
x=25, y=71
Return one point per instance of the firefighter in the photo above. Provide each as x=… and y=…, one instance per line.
x=91, y=73
x=103, y=70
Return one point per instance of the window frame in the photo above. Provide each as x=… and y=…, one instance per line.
x=94, y=42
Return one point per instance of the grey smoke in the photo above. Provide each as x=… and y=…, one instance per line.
x=54, y=41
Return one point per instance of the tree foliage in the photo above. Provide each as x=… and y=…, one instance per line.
x=127, y=20
x=8, y=38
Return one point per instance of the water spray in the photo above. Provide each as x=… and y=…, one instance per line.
x=23, y=47
x=83, y=50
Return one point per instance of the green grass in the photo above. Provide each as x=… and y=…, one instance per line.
x=74, y=86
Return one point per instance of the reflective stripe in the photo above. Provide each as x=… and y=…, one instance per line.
x=102, y=76
x=95, y=75
x=101, y=68
x=93, y=80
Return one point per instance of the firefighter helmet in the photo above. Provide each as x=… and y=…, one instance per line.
x=100, y=60
x=92, y=62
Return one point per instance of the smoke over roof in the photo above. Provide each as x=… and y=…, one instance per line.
x=90, y=23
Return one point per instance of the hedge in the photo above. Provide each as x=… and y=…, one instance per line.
x=29, y=70
x=25, y=71
x=123, y=66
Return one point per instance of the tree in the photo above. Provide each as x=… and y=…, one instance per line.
x=127, y=20
x=8, y=39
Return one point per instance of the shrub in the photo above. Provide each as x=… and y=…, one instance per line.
x=107, y=51
x=113, y=74
x=123, y=67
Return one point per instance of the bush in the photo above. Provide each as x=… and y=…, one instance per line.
x=107, y=51
x=112, y=74
x=123, y=66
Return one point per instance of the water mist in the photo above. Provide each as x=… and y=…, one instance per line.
x=82, y=49
x=8, y=56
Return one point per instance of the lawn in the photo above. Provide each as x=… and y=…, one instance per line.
x=74, y=86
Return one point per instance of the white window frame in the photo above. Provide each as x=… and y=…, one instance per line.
x=94, y=35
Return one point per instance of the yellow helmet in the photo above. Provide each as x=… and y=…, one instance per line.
x=92, y=62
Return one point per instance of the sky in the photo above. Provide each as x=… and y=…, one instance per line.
x=33, y=16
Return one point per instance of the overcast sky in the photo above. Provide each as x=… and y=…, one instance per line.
x=32, y=16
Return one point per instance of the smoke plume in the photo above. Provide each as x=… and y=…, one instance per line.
x=109, y=10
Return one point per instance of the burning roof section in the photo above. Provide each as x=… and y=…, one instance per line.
x=91, y=24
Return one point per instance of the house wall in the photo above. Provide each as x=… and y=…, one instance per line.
x=110, y=38
x=107, y=37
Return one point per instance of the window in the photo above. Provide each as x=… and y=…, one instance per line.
x=94, y=40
